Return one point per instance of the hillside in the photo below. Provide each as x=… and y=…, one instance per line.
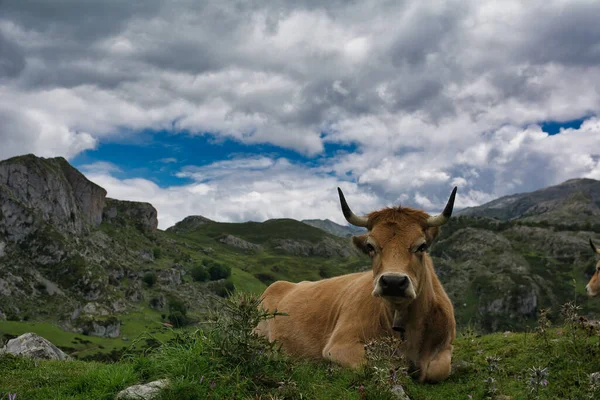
x=335, y=229
x=73, y=261
x=575, y=202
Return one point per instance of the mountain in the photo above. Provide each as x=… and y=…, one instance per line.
x=575, y=202
x=335, y=229
x=503, y=261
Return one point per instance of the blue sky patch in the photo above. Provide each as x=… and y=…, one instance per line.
x=158, y=156
x=554, y=127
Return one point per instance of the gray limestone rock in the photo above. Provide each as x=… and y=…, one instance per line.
x=35, y=347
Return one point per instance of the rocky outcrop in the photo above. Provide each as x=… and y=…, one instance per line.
x=326, y=247
x=35, y=347
x=146, y=391
x=169, y=277
x=233, y=241
x=109, y=328
x=141, y=215
x=48, y=189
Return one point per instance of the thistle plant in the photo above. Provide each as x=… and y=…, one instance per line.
x=544, y=325
x=537, y=379
x=593, y=390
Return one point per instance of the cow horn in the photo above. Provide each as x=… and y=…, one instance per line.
x=441, y=219
x=594, y=247
x=349, y=215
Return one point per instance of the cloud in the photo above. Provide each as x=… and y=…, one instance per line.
x=255, y=188
x=100, y=167
x=429, y=94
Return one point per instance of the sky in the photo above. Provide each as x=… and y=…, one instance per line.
x=251, y=110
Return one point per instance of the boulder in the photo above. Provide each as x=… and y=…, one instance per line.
x=35, y=347
x=146, y=391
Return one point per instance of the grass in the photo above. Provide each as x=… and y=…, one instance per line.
x=135, y=325
x=224, y=360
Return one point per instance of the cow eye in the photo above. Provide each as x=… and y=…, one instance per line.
x=370, y=248
x=422, y=248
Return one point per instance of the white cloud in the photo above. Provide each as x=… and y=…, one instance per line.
x=244, y=189
x=431, y=94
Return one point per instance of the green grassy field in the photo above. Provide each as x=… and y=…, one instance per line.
x=141, y=324
x=225, y=362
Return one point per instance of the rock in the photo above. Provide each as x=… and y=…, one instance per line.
x=146, y=391
x=141, y=215
x=146, y=255
x=2, y=247
x=399, y=393
x=118, y=306
x=95, y=309
x=171, y=277
x=35, y=347
x=4, y=288
x=134, y=292
x=233, y=241
x=109, y=328
x=58, y=193
x=325, y=248
x=158, y=303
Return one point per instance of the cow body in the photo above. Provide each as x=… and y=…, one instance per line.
x=334, y=318
x=593, y=286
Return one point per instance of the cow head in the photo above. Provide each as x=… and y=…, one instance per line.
x=397, y=242
x=593, y=287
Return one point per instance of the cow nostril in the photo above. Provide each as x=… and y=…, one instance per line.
x=383, y=282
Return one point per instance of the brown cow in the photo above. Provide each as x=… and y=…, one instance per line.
x=593, y=287
x=334, y=318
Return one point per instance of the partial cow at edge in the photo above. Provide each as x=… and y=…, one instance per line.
x=593, y=287
x=334, y=318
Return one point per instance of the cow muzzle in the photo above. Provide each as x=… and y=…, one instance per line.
x=589, y=291
x=394, y=285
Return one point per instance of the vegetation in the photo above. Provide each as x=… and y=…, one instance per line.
x=224, y=359
x=150, y=278
x=200, y=274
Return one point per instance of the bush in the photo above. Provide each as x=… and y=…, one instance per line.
x=219, y=271
x=157, y=253
x=150, y=279
x=200, y=274
x=225, y=288
x=178, y=319
x=177, y=305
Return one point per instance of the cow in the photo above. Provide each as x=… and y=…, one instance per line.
x=402, y=296
x=593, y=287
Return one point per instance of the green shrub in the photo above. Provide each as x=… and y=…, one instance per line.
x=200, y=274
x=178, y=319
x=219, y=271
x=150, y=279
x=157, y=252
x=225, y=288
x=177, y=305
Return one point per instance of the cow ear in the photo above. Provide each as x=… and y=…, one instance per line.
x=360, y=242
x=431, y=233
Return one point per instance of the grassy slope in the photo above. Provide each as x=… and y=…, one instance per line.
x=253, y=270
x=247, y=268
x=200, y=369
